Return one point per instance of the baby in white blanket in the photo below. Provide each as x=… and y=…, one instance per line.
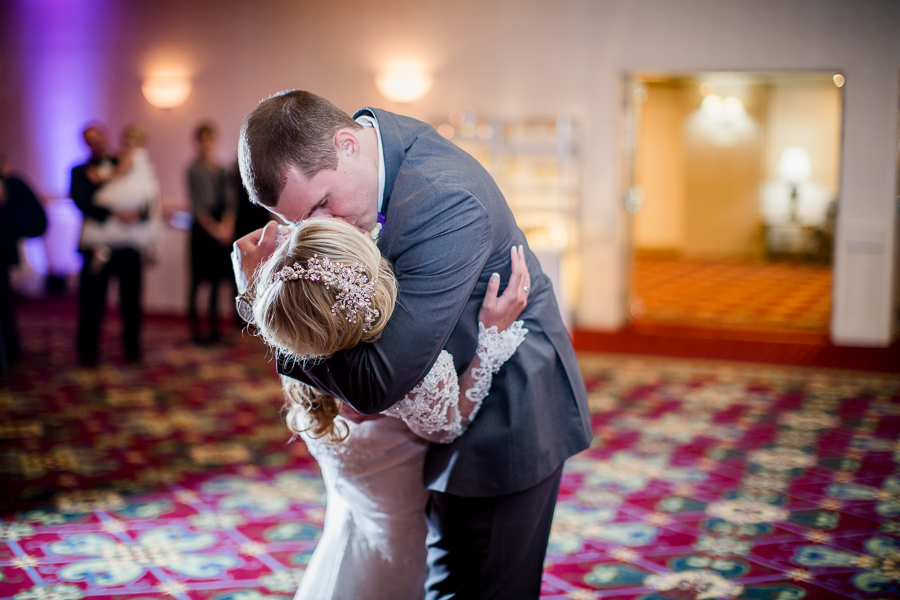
x=132, y=189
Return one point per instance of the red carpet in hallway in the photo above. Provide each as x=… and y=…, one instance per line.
x=757, y=296
x=771, y=313
x=803, y=350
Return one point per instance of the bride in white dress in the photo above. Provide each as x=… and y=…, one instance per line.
x=326, y=289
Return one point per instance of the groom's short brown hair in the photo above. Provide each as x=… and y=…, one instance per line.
x=292, y=128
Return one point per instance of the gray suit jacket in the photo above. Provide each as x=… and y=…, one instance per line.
x=447, y=229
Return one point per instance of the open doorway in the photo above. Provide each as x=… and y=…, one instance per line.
x=735, y=194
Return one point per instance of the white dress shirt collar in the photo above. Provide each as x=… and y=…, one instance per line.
x=371, y=121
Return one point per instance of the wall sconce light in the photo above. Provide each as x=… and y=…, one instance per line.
x=403, y=82
x=166, y=91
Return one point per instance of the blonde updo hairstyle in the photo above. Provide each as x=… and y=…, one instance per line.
x=296, y=318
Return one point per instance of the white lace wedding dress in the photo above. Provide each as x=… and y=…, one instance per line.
x=373, y=543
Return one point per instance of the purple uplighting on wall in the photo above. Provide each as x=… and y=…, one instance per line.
x=64, y=49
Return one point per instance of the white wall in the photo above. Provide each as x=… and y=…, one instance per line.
x=500, y=57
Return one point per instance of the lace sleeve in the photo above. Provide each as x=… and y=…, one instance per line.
x=494, y=349
x=432, y=409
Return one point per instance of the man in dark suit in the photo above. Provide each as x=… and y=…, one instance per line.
x=102, y=263
x=21, y=215
x=446, y=229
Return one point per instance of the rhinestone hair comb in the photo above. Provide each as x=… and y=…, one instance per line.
x=356, y=289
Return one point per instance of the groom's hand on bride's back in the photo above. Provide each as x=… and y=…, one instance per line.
x=251, y=251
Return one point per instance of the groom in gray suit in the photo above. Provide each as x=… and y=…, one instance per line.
x=446, y=229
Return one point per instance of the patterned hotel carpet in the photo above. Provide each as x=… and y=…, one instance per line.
x=707, y=480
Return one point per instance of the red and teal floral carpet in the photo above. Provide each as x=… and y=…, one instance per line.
x=176, y=478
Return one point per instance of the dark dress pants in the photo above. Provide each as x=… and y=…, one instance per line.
x=125, y=264
x=212, y=310
x=489, y=548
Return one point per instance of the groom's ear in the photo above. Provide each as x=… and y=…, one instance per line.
x=345, y=142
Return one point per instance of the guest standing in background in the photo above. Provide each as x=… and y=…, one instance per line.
x=102, y=262
x=133, y=188
x=21, y=215
x=213, y=206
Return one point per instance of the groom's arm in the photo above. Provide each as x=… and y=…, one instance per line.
x=444, y=244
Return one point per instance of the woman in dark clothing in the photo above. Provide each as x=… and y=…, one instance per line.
x=212, y=233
